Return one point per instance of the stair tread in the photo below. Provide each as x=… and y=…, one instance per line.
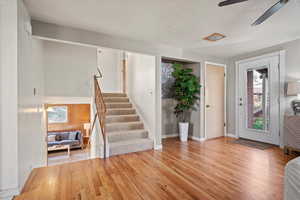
x=127, y=131
x=123, y=123
x=120, y=109
x=122, y=118
x=132, y=141
x=115, y=116
x=113, y=93
x=112, y=97
x=117, y=103
x=115, y=99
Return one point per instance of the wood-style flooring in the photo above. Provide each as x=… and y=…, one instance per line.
x=214, y=169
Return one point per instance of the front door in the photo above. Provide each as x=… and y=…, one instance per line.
x=259, y=100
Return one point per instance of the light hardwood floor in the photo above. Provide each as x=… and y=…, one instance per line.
x=215, y=169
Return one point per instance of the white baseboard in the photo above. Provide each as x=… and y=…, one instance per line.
x=231, y=135
x=177, y=135
x=170, y=136
x=197, y=139
x=158, y=147
x=8, y=194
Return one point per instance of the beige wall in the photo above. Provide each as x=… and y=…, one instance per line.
x=169, y=120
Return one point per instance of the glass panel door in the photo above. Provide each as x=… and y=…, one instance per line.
x=258, y=105
x=258, y=111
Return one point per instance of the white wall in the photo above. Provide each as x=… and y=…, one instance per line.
x=37, y=62
x=68, y=69
x=292, y=72
x=21, y=114
x=9, y=96
x=110, y=63
x=31, y=132
x=141, y=87
x=76, y=35
x=96, y=139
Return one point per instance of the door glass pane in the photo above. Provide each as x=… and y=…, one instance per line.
x=258, y=111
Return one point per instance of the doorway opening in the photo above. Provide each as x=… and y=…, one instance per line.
x=215, y=100
x=68, y=132
x=169, y=122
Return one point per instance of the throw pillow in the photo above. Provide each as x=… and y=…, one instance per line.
x=51, y=138
x=58, y=138
x=78, y=135
x=72, y=135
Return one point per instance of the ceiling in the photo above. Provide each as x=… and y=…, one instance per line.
x=178, y=23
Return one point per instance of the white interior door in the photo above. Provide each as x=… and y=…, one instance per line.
x=214, y=100
x=259, y=100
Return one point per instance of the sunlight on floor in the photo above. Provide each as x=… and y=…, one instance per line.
x=60, y=157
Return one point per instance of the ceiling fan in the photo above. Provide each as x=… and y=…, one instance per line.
x=265, y=16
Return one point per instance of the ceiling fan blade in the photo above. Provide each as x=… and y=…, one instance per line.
x=270, y=12
x=230, y=2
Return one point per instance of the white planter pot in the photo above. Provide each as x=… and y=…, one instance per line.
x=183, y=131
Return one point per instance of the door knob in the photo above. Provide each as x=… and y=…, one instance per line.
x=207, y=106
x=241, y=104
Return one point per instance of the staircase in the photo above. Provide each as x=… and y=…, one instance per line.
x=124, y=129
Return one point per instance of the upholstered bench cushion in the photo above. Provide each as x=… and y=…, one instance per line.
x=292, y=180
x=72, y=138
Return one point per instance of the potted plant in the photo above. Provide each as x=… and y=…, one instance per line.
x=186, y=90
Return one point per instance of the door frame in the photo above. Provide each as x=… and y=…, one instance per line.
x=281, y=55
x=63, y=100
x=225, y=95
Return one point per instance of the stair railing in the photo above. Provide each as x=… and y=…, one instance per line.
x=100, y=112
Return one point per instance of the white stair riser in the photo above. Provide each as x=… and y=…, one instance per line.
x=127, y=136
x=130, y=148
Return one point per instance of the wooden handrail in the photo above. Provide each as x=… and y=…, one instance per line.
x=101, y=112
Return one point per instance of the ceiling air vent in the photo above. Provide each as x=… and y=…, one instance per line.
x=214, y=37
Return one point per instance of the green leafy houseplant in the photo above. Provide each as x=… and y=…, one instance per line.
x=186, y=90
